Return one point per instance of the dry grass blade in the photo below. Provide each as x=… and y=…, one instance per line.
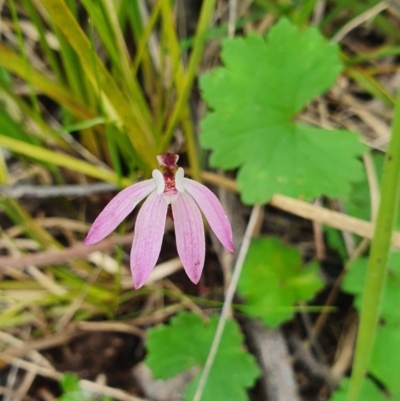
x=85, y=384
x=360, y=19
x=64, y=255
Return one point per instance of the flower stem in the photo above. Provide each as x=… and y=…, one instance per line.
x=377, y=263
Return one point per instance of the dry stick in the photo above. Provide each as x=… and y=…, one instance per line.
x=74, y=330
x=12, y=393
x=11, y=379
x=118, y=327
x=373, y=183
x=232, y=18
x=257, y=209
x=318, y=12
x=51, y=191
x=360, y=19
x=44, y=280
x=19, y=348
x=24, y=387
x=344, y=354
x=35, y=356
x=84, y=384
x=318, y=236
x=64, y=255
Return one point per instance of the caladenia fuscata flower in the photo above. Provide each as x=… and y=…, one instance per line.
x=167, y=189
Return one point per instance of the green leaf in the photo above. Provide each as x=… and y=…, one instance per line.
x=70, y=382
x=385, y=358
x=71, y=388
x=185, y=343
x=369, y=392
x=354, y=283
x=255, y=98
x=274, y=279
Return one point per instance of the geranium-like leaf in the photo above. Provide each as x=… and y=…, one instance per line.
x=254, y=99
x=274, y=279
x=354, y=283
x=186, y=342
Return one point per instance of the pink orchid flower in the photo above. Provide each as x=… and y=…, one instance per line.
x=167, y=188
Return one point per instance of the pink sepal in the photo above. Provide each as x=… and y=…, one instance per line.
x=189, y=233
x=149, y=232
x=117, y=209
x=212, y=210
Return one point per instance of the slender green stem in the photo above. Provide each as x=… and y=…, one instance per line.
x=378, y=258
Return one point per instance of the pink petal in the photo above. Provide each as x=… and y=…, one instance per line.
x=117, y=209
x=189, y=232
x=213, y=211
x=149, y=232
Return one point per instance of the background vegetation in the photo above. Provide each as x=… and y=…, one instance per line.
x=288, y=110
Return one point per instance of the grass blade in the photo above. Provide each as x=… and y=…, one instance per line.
x=134, y=116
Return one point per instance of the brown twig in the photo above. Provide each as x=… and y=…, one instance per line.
x=41, y=344
x=318, y=237
x=13, y=393
x=85, y=384
x=345, y=349
x=52, y=191
x=64, y=255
